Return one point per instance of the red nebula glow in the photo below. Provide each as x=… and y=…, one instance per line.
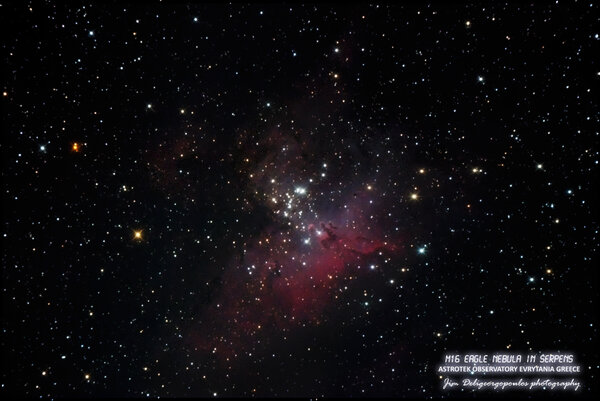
x=283, y=283
x=295, y=270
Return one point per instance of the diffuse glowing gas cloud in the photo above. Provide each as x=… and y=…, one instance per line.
x=291, y=271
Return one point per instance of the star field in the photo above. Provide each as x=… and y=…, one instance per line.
x=293, y=200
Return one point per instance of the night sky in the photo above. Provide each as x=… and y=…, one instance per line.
x=293, y=200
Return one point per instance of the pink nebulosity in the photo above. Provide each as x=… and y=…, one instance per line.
x=289, y=278
x=291, y=272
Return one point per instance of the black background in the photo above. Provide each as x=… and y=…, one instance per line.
x=407, y=96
